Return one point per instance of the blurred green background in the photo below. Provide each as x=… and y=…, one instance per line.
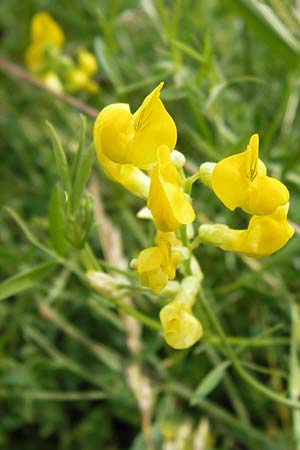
x=231, y=68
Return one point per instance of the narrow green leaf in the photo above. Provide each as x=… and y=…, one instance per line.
x=82, y=174
x=107, y=63
x=209, y=383
x=189, y=51
x=60, y=159
x=28, y=233
x=57, y=220
x=25, y=280
x=263, y=21
x=80, y=146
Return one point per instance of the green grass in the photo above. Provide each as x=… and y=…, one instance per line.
x=68, y=378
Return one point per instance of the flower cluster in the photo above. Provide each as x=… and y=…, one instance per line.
x=45, y=59
x=136, y=150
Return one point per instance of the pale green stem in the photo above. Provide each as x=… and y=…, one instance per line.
x=88, y=258
x=294, y=380
x=190, y=181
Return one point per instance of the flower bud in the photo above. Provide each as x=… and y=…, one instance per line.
x=177, y=158
x=205, y=172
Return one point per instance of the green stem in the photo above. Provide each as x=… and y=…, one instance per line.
x=235, y=362
x=294, y=389
x=190, y=181
x=150, y=323
x=88, y=258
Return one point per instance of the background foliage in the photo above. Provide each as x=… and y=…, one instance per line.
x=231, y=69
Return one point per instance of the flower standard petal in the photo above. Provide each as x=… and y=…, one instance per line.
x=149, y=269
x=112, y=132
x=44, y=29
x=241, y=181
x=153, y=127
x=156, y=265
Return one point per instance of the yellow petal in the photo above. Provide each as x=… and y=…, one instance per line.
x=267, y=234
x=167, y=203
x=156, y=280
x=181, y=328
x=168, y=237
x=263, y=236
x=149, y=259
x=87, y=62
x=52, y=81
x=229, y=181
x=266, y=194
x=44, y=29
x=132, y=178
x=112, y=131
x=240, y=181
x=149, y=269
x=153, y=127
x=34, y=58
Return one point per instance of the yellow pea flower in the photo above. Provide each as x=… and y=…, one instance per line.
x=181, y=328
x=124, y=137
x=45, y=34
x=167, y=202
x=34, y=58
x=78, y=80
x=127, y=175
x=87, y=62
x=241, y=181
x=264, y=235
x=79, y=77
x=52, y=81
x=156, y=265
x=44, y=29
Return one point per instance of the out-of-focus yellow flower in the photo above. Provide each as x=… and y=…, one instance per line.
x=181, y=328
x=44, y=29
x=156, y=265
x=78, y=80
x=34, y=58
x=87, y=62
x=124, y=137
x=79, y=77
x=241, y=181
x=46, y=35
x=127, y=175
x=52, y=81
x=169, y=206
x=264, y=235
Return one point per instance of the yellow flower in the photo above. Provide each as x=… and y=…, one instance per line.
x=264, y=235
x=181, y=328
x=44, y=30
x=241, y=181
x=52, y=81
x=156, y=265
x=87, y=62
x=46, y=34
x=167, y=202
x=124, y=137
x=79, y=77
x=78, y=80
x=127, y=175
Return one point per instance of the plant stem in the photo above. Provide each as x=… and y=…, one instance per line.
x=26, y=76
